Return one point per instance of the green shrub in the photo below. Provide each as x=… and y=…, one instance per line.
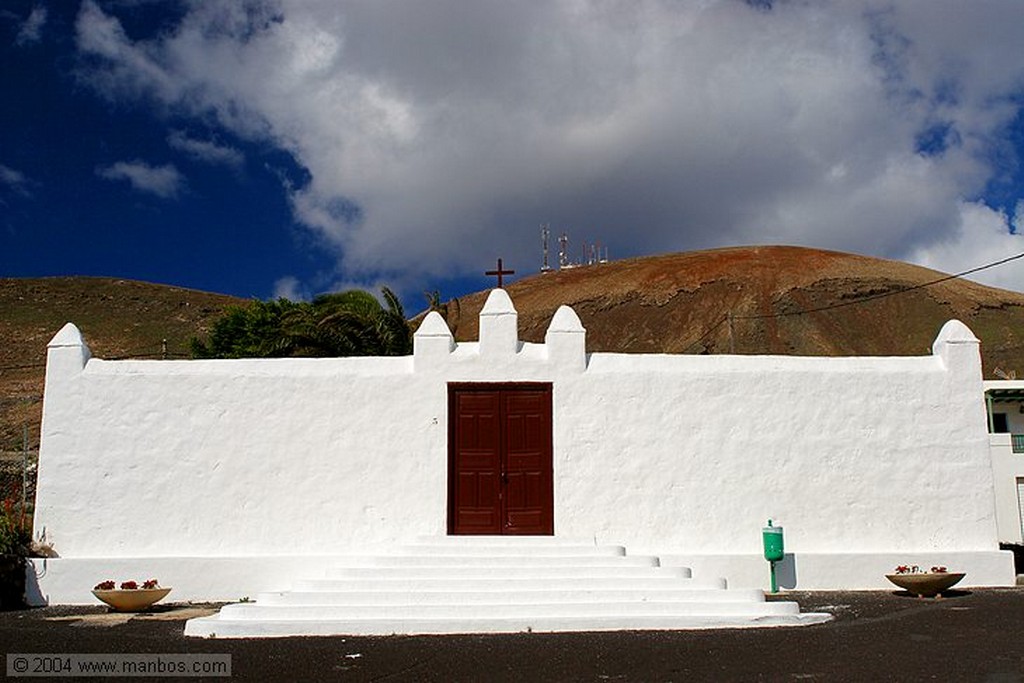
x=15, y=530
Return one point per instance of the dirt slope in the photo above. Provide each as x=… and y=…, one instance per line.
x=117, y=317
x=679, y=303
x=675, y=303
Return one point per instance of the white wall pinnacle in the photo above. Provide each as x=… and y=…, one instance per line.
x=499, y=325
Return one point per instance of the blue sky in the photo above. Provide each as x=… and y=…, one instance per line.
x=267, y=148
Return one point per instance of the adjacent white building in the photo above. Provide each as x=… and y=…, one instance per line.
x=1005, y=402
x=225, y=478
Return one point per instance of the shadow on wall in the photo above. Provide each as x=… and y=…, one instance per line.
x=785, y=571
x=33, y=592
x=19, y=582
x=19, y=585
x=1018, y=555
x=13, y=576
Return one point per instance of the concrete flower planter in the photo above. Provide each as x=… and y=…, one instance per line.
x=131, y=599
x=926, y=585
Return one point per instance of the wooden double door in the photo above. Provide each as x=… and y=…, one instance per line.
x=500, y=459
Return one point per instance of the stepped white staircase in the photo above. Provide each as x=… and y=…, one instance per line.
x=498, y=584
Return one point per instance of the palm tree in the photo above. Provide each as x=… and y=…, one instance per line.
x=450, y=310
x=349, y=323
x=354, y=323
x=252, y=331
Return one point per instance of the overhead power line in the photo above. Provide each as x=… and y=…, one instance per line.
x=150, y=351
x=880, y=295
x=842, y=304
x=706, y=334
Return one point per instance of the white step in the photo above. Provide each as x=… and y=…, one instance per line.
x=527, y=597
x=207, y=627
x=483, y=541
x=502, y=560
x=255, y=611
x=493, y=548
x=513, y=572
x=498, y=585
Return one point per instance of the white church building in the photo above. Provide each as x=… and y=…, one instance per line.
x=229, y=479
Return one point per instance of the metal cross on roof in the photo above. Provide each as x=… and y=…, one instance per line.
x=500, y=272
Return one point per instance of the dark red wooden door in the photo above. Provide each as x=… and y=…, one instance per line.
x=500, y=479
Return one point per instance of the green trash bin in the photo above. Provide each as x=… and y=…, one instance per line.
x=774, y=548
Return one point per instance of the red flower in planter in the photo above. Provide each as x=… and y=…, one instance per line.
x=904, y=569
x=105, y=586
x=152, y=583
x=129, y=586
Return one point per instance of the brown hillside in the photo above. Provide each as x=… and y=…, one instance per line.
x=118, y=318
x=669, y=303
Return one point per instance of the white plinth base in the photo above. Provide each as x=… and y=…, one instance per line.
x=847, y=571
x=69, y=581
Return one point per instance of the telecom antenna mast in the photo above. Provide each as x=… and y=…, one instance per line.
x=545, y=232
x=563, y=251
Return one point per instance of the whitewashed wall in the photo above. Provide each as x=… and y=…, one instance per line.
x=885, y=459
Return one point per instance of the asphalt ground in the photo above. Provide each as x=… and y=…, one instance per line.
x=970, y=635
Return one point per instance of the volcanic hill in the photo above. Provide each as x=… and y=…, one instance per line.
x=118, y=318
x=783, y=300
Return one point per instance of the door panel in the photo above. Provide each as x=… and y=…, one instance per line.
x=477, y=476
x=500, y=479
x=527, y=452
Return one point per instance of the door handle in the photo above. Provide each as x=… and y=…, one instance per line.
x=504, y=477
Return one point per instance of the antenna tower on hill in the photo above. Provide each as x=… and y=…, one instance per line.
x=545, y=233
x=591, y=253
x=563, y=252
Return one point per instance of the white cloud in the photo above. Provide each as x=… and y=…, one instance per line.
x=128, y=69
x=32, y=30
x=983, y=236
x=163, y=181
x=441, y=134
x=15, y=181
x=290, y=288
x=205, y=150
x=9, y=176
